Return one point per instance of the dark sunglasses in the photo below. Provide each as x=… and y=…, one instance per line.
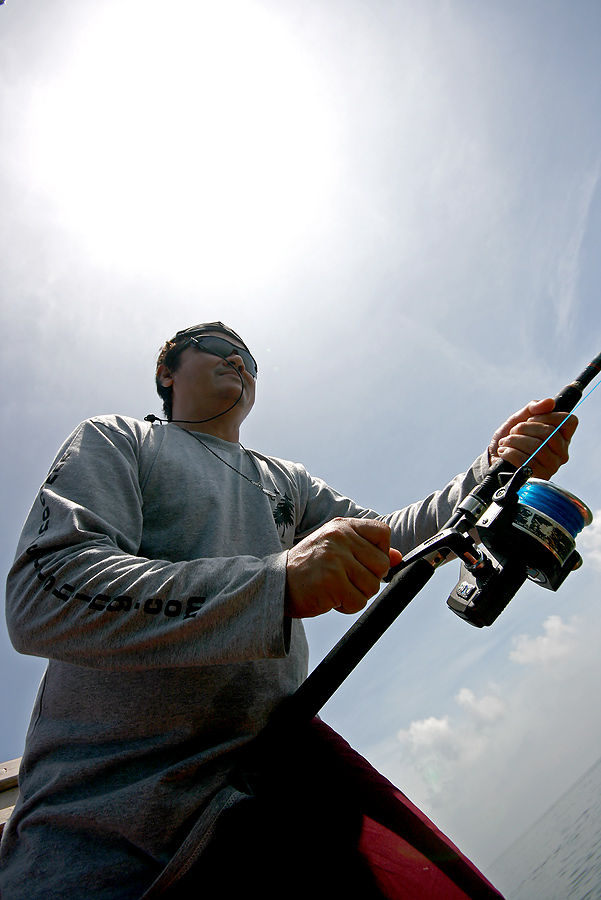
x=221, y=347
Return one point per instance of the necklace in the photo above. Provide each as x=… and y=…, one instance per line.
x=257, y=484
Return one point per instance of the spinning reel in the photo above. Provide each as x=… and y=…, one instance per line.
x=528, y=532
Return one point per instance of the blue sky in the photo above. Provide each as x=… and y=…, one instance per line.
x=398, y=206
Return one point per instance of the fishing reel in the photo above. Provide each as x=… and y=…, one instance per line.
x=528, y=532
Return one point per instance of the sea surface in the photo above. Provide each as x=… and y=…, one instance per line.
x=559, y=857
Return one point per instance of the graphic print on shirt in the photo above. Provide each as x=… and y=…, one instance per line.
x=283, y=514
x=188, y=607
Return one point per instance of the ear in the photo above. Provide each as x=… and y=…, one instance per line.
x=164, y=375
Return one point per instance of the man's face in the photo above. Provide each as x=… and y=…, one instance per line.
x=203, y=377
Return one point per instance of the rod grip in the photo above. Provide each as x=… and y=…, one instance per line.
x=570, y=395
x=567, y=398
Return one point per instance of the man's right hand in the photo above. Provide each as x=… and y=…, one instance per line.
x=339, y=566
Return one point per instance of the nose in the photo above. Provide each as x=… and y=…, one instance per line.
x=236, y=360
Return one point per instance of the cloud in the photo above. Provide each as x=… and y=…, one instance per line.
x=440, y=748
x=443, y=749
x=557, y=642
x=589, y=542
x=489, y=708
x=494, y=759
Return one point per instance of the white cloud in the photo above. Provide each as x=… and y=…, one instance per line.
x=444, y=750
x=589, y=542
x=440, y=748
x=489, y=708
x=427, y=733
x=557, y=642
x=486, y=767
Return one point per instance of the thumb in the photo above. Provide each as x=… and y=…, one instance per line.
x=395, y=557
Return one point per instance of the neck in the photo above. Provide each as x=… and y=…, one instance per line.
x=221, y=430
x=226, y=426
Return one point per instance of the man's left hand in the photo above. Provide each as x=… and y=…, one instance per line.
x=523, y=432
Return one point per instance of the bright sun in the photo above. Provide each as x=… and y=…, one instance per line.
x=185, y=137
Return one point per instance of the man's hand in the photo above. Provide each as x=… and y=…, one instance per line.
x=526, y=430
x=338, y=567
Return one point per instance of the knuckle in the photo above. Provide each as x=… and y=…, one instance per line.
x=334, y=526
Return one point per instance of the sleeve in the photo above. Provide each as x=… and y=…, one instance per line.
x=410, y=525
x=416, y=523
x=79, y=592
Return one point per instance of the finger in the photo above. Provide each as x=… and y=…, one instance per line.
x=566, y=425
x=366, y=583
x=544, y=460
x=540, y=426
x=374, y=531
x=352, y=601
x=533, y=408
x=365, y=540
x=540, y=407
x=395, y=557
x=537, y=432
x=532, y=447
x=569, y=427
x=359, y=590
x=367, y=579
x=530, y=441
x=369, y=557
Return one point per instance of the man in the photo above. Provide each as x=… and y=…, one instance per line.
x=164, y=571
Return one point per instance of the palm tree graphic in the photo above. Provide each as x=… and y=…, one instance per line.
x=284, y=513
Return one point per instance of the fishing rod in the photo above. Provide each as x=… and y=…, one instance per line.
x=527, y=527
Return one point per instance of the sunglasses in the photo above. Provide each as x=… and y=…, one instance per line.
x=221, y=347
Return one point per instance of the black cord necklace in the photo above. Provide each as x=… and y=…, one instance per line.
x=257, y=484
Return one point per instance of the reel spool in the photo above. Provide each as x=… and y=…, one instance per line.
x=553, y=517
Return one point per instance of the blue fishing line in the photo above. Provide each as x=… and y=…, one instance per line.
x=552, y=502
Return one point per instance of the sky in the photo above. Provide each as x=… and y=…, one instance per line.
x=398, y=206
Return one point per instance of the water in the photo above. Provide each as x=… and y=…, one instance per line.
x=559, y=857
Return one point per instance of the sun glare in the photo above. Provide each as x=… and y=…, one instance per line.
x=187, y=137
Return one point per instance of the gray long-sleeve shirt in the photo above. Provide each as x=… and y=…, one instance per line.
x=152, y=576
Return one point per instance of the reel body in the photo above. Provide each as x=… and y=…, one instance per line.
x=527, y=532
